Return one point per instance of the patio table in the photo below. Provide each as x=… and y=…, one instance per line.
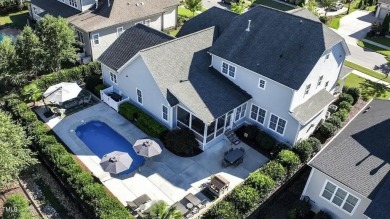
x=193, y=199
x=234, y=155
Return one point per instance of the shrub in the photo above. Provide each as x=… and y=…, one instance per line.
x=181, y=142
x=345, y=105
x=274, y=169
x=261, y=182
x=335, y=120
x=222, y=209
x=252, y=131
x=354, y=92
x=143, y=121
x=322, y=215
x=19, y=207
x=96, y=90
x=328, y=130
x=277, y=149
x=315, y=144
x=346, y=97
x=244, y=198
x=342, y=114
x=324, y=19
x=300, y=210
x=304, y=150
x=265, y=141
x=288, y=159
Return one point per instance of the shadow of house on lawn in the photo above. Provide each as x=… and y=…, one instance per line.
x=384, y=68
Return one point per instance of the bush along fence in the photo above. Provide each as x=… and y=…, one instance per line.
x=244, y=200
x=92, y=195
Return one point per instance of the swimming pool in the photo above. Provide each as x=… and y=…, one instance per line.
x=1, y=37
x=101, y=139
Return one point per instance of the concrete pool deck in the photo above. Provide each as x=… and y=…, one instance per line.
x=164, y=177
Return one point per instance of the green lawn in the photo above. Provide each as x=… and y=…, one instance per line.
x=381, y=40
x=374, y=48
x=17, y=20
x=367, y=71
x=187, y=13
x=173, y=32
x=367, y=88
x=274, y=4
x=335, y=21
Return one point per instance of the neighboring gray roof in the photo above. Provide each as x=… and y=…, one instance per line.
x=384, y=1
x=345, y=71
x=120, y=11
x=55, y=8
x=130, y=43
x=359, y=156
x=180, y=66
x=379, y=207
x=307, y=110
x=303, y=12
x=280, y=45
x=217, y=17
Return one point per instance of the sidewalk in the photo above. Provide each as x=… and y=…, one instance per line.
x=370, y=78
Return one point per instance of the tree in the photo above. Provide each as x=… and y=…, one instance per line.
x=238, y=7
x=8, y=74
x=31, y=93
x=312, y=6
x=18, y=207
x=15, y=156
x=161, y=210
x=349, y=5
x=29, y=51
x=58, y=40
x=327, y=4
x=193, y=5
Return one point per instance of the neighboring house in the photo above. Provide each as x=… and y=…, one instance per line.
x=382, y=9
x=265, y=67
x=98, y=24
x=350, y=177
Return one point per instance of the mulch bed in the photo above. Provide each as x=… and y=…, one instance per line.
x=12, y=190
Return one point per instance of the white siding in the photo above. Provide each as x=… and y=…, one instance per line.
x=170, y=18
x=67, y=2
x=314, y=187
x=87, y=4
x=308, y=129
x=152, y=98
x=34, y=11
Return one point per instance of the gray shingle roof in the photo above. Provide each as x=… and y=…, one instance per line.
x=384, y=1
x=130, y=43
x=120, y=11
x=180, y=66
x=303, y=12
x=307, y=110
x=359, y=156
x=55, y=8
x=217, y=17
x=281, y=46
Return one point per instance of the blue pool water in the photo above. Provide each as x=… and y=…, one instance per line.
x=1, y=37
x=102, y=139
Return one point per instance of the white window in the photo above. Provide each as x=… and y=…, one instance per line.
x=113, y=77
x=228, y=69
x=277, y=124
x=258, y=114
x=240, y=112
x=165, y=112
x=339, y=197
x=73, y=3
x=119, y=31
x=307, y=89
x=147, y=22
x=95, y=39
x=320, y=80
x=262, y=84
x=80, y=36
x=139, y=96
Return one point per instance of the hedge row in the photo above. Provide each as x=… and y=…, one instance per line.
x=92, y=194
x=142, y=120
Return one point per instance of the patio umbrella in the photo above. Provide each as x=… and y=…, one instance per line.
x=62, y=92
x=147, y=148
x=116, y=162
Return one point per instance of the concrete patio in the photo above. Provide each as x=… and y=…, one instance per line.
x=165, y=177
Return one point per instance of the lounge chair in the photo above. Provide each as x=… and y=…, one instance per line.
x=141, y=200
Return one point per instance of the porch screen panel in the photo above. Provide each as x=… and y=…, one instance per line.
x=197, y=125
x=220, y=125
x=183, y=116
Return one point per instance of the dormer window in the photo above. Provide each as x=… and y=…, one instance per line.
x=228, y=69
x=95, y=39
x=262, y=84
x=73, y=3
x=307, y=89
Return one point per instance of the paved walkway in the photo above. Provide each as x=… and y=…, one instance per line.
x=370, y=78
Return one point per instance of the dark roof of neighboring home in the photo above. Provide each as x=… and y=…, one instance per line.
x=384, y=1
x=217, y=17
x=130, y=43
x=119, y=11
x=280, y=45
x=181, y=67
x=345, y=72
x=359, y=156
x=303, y=12
x=307, y=110
x=55, y=8
x=379, y=207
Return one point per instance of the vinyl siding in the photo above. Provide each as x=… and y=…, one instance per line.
x=170, y=18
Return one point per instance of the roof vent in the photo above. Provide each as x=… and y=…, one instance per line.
x=301, y=21
x=128, y=3
x=108, y=1
x=281, y=56
x=249, y=26
x=142, y=3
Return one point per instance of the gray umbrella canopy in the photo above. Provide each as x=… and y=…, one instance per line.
x=116, y=162
x=62, y=92
x=147, y=147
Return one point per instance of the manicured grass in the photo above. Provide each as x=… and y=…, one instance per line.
x=381, y=40
x=371, y=8
x=173, y=32
x=187, y=13
x=274, y=4
x=17, y=20
x=374, y=48
x=335, y=21
x=367, y=71
x=367, y=88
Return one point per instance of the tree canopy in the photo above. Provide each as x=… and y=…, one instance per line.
x=193, y=5
x=29, y=51
x=238, y=7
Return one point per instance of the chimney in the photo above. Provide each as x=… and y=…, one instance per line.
x=108, y=1
x=249, y=26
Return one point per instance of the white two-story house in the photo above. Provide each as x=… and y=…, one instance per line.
x=275, y=69
x=99, y=23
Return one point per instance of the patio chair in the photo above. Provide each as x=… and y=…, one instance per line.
x=136, y=203
x=226, y=152
x=242, y=149
x=195, y=210
x=189, y=215
x=87, y=99
x=202, y=204
x=231, y=149
x=224, y=163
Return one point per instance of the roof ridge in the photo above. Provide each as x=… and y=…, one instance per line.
x=176, y=39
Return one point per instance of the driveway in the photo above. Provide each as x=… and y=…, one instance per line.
x=215, y=3
x=354, y=27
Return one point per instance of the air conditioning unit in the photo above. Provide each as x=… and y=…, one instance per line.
x=86, y=60
x=327, y=115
